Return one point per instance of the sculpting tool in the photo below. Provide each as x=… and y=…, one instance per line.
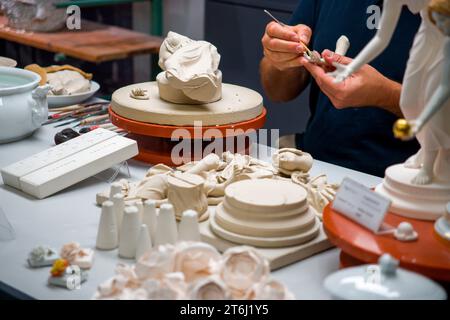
x=311, y=56
x=92, y=120
x=83, y=116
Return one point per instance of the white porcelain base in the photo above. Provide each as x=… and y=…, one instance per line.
x=423, y=202
x=278, y=257
x=442, y=228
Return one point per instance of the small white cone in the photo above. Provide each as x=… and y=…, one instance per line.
x=150, y=218
x=188, y=228
x=138, y=204
x=119, y=207
x=144, y=242
x=342, y=45
x=166, y=231
x=129, y=233
x=107, y=235
x=115, y=188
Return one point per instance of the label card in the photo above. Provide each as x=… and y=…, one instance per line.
x=359, y=203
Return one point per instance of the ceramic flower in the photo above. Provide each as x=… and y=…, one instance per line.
x=156, y=263
x=196, y=260
x=59, y=267
x=241, y=268
x=40, y=252
x=209, y=288
x=70, y=251
x=170, y=287
x=269, y=289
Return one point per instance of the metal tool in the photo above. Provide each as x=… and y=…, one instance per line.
x=100, y=112
x=311, y=56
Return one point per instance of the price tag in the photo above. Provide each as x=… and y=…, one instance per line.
x=359, y=203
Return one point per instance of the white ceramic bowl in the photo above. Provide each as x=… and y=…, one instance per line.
x=23, y=103
x=7, y=62
x=62, y=101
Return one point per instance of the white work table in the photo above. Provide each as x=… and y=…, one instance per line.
x=71, y=215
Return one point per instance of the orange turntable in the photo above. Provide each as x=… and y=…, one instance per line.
x=428, y=255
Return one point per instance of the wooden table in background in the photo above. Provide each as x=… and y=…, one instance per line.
x=95, y=42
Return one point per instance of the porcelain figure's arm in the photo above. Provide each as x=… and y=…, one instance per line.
x=389, y=19
x=442, y=94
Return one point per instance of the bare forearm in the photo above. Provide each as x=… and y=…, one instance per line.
x=388, y=98
x=282, y=86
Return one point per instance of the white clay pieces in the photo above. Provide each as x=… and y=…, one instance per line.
x=129, y=233
x=42, y=256
x=76, y=255
x=107, y=235
x=65, y=275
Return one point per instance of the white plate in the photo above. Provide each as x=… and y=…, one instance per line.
x=62, y=101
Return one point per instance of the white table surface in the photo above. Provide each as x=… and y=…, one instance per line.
x=71, y=215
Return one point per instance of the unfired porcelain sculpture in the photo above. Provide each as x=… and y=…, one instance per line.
x=34, y=15
x=290, y=160
x=75, y=255
x=166, y=230
x=63, y=274
x=107, y=234
x=116, y=187
x=194, y=270
x=42, y=256
x=144, y=242
x=420, y=187
x=320, y=192
x=67, y=82
x=185, y=192
x=265, y=213
x=129, y=233
x=188, y=229
x=190, y=71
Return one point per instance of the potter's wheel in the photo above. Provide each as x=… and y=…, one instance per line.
x=152, y=122
x=429, y=255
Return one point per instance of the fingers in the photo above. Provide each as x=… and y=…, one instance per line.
x=332, y=57
x=304, y=32
x=279, y=56
x=274, y=30
x=279, y=45
x=294, y=63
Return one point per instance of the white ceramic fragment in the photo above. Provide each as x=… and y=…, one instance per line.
x=405, y=232
x=119, y=207
x=107, y=234
x=116, y=187
x=75, y=255
x=129, y=233
x=42, y=256
x=150, y=218
x=144, y=242
x=187, y=191
x=140, y=206
x=67, y=280
x=166, y=231
x=290, y=160
x=188, y=229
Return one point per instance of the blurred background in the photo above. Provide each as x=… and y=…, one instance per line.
x=235, y=27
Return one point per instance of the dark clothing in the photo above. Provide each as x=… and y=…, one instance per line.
x=356, y=138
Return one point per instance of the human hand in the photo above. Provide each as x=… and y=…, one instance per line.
x=362, y=88
x=341, y=73
x=282, y=45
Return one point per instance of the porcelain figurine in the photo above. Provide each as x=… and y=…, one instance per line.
x=420, y=187
x=190, y=71
x=424, y=74
x=405, y=232
x=107, y=234
x=42, y=256
x=144, y=242
x=129, y=233
x=75, y=255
